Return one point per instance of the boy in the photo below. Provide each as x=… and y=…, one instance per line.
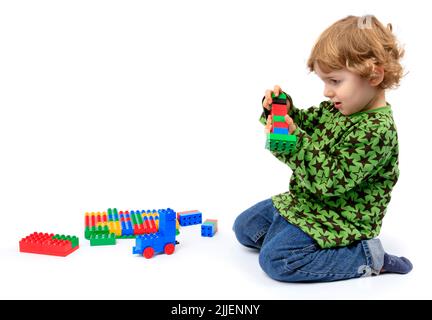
x=344, y=165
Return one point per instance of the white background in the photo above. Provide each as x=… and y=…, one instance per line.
x=154, y=104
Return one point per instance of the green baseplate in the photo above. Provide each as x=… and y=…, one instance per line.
x=281, y=142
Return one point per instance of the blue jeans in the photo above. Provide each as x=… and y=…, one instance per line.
x=286, y=253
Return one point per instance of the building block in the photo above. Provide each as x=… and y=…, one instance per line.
x=279, y=139
x=126, y=223
x=187, y=218
x=214, y=221
x=49, y=244
x=209, y=228
x=280, y=142
x=279, y=119
x=280, y=125
x=280, y=130
x=279, y=109
x=189, y=211
x=102, y=239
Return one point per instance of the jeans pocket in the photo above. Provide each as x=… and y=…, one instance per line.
x=300, y=257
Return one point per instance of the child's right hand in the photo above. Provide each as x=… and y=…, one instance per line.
x=268, y=97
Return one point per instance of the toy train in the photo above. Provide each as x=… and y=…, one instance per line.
x=161, y=241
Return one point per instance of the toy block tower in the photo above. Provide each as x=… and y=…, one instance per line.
x=279, y=138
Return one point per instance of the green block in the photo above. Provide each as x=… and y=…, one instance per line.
x=281, y=142
x=102, y=239
x=113, y=213
x=280, y=96
x=134, y=219
x=278, y=119
x=73, y=239
x=279, y=137
x=89, y=231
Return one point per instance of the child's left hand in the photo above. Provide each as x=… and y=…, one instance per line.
x=291, y=125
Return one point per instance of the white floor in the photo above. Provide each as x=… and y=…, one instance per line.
x=201, y=268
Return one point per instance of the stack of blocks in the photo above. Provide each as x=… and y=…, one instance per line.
x=209, y=228
x=50, y=244
x=279, y=138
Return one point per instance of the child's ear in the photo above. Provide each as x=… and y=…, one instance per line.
x=377, y=76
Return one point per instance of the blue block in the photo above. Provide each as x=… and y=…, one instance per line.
x=280, y=130
x=207, y=230
x=189, y=219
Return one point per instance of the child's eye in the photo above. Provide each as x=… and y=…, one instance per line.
x=334, y=81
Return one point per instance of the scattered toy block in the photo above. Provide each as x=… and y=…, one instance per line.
x=209, y=228
x=188, y=218
x=49, y=244
x=102, y=239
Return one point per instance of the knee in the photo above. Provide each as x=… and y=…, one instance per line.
x=239, y=228
x=286, y=265
x=272, y=265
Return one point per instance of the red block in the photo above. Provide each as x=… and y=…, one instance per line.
x=280, y=125
x=153, y=225
x=147, y=226
x=139, y=229
x=279, y=109
x=42, y=243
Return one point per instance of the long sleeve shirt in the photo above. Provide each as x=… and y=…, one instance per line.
x=343, y=171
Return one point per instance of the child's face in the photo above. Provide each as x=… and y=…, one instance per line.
x=349, y=92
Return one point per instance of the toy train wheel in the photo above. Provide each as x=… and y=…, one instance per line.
x=148, y=252
x=169, y=248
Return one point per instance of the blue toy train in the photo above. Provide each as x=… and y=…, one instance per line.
x=161, y=241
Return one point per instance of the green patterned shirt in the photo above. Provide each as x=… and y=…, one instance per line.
x=343, y=171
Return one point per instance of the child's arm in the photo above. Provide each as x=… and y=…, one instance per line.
x=333, y=172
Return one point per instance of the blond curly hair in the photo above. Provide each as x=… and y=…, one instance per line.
x=359, y=44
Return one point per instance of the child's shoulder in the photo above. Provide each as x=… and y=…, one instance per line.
x=380, y=119
x=378, y=125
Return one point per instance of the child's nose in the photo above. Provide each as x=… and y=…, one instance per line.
x=329, y=93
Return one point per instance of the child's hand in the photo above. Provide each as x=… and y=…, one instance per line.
x=266, y=104
x=268, y=125
x=291, y=125
x=268, y=97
